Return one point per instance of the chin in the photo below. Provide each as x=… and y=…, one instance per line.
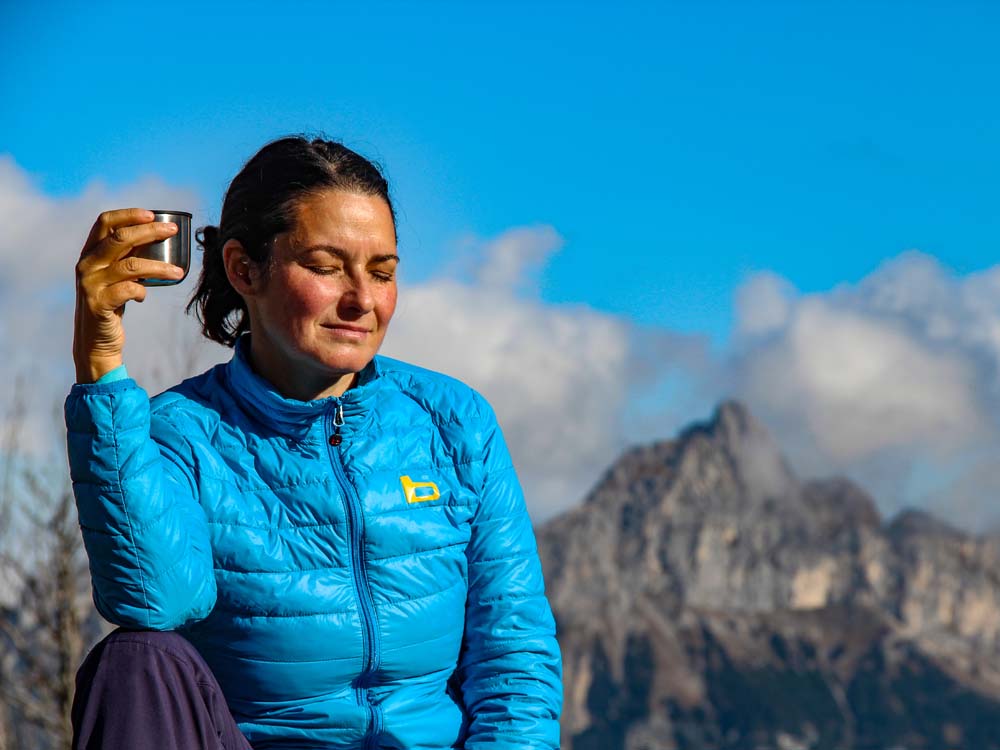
x=344, y=362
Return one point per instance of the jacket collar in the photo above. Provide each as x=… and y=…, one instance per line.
x=291, y=417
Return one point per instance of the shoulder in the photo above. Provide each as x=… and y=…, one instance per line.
x=194, y=401
x=446, y=398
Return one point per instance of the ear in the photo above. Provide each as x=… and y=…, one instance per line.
x=239, y=268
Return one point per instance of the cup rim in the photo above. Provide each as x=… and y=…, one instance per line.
x=176, y=213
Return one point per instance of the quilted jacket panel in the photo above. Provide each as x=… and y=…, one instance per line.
x=383, y=592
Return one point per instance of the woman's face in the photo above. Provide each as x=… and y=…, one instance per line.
x=320, y=313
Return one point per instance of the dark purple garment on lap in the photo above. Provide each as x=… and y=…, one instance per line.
x=148, y=690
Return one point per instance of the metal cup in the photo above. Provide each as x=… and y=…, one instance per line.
x=176, y=249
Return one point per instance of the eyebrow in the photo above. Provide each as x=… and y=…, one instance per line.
x=343, y=255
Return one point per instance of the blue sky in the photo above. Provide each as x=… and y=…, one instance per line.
x=724, y=185
x=676, y=147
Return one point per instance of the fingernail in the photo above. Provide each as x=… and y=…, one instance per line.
x=148, y=215
x=170, y=226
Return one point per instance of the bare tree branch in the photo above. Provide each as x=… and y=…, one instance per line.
x=47, y=617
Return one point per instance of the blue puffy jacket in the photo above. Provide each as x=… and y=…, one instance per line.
x=358, y=571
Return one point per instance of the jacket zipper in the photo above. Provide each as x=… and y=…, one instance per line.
x=355, y=522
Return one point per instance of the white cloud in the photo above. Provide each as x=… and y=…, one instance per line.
x=893, y=380
x=896, y=371
x=560, y=377
x=572, y=386
x=511, y=260
x=39, y=246
x=763, y=304
x=557, y=376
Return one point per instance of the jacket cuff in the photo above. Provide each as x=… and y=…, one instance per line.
x=102, y=387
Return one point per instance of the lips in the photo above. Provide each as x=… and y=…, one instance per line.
x=347, y=331
x=346, y=327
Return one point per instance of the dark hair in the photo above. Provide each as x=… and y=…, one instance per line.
x=259, y=204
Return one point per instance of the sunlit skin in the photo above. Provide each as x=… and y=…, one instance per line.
x=107, y=277
x=320, y=313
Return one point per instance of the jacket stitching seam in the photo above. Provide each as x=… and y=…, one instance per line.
x=188, y=475
x=104, y=433
x=128, y=516
x=151, y=579
x=231, y=524
x=416, y=552
x=341, y=567
x=507, y=597
x=270, y=727
x=148, y=524
x=110, y=532
x=123, y=482
x=498, y=682
x=470, y=462
x=504, y=469
x=325, y=480
x=278, y=572
x=266, y=488
x=102, y=532
x=389, y=603
x=255, y=613
x=511, y=639
x=415, y=508
x=413, y=378
x=296, y=661
x=272, y=488
x=163, y=571
x=505, y=558
x=405, y=646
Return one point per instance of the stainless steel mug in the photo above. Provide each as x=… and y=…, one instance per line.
x=176, y=249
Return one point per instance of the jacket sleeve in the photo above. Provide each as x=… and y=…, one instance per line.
x=145, y=533
x=510, y=671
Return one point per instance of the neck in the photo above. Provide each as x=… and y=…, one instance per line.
x=292, y=380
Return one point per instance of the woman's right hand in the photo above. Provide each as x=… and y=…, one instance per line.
x=106, y=278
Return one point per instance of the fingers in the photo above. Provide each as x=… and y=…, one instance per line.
x=121, y=240
x=104, y=290
x=98, y=306
x=115, y=296
x=129, y=268
x=132, y=268
x=108, y=221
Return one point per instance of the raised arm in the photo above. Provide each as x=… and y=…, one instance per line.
x=510, y=670
x=145, y=533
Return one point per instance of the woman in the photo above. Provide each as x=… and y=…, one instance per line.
x=340, y=536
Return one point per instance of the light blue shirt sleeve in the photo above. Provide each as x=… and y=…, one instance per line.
x=119, y=373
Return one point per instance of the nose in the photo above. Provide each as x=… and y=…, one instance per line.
x=358, y=298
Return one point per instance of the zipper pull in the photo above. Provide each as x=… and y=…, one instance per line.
x=338, y=419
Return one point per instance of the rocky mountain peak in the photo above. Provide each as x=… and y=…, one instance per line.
x=702, y=581
x=914, y=522
x=732, y=460
x=730, y=429
x=732, y=423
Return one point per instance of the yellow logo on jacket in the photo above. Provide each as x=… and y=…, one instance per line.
x=410, y=490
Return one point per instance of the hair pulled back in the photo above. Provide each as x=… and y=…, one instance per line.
x=259, y=204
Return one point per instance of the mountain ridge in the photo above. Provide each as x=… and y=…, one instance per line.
x=702, y=563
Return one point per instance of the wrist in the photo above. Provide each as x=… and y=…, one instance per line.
x=93, y=369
